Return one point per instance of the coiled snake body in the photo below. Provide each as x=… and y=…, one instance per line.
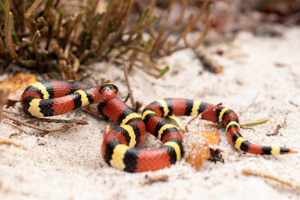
x=55, y=97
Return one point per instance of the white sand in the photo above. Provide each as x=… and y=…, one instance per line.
x=69, y=165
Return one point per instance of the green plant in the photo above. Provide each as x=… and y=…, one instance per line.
x=38, y=35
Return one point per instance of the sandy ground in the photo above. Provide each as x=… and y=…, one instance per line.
x=68, y=165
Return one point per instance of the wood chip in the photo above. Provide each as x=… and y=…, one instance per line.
x=278, y=64
x=107, y=129
x=158, y=178
x=41, y=142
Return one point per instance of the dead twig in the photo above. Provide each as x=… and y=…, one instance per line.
x=128, y=86
x=66, y=125
x=275, y=132
x=9, y=142
x=236, y=55
x=294, y=104
x=17, y=127
x=279, y=126
x=127, y=97
x=11, y=112
x=79, y=122
x=94, y=112
x=272, y=177
x=250, y=104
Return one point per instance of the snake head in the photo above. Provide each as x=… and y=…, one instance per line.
x=108, y=91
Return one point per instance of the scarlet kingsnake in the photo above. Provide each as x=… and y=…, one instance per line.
x=55, y=97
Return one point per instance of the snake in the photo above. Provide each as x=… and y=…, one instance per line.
x=120, y=146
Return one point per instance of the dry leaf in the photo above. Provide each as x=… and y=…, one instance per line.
x=211, y=137
x=18, y=83
x=200, y=151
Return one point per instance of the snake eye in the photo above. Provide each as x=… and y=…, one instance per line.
x=108, y=91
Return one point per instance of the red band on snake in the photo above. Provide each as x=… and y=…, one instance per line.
x=54, y=97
